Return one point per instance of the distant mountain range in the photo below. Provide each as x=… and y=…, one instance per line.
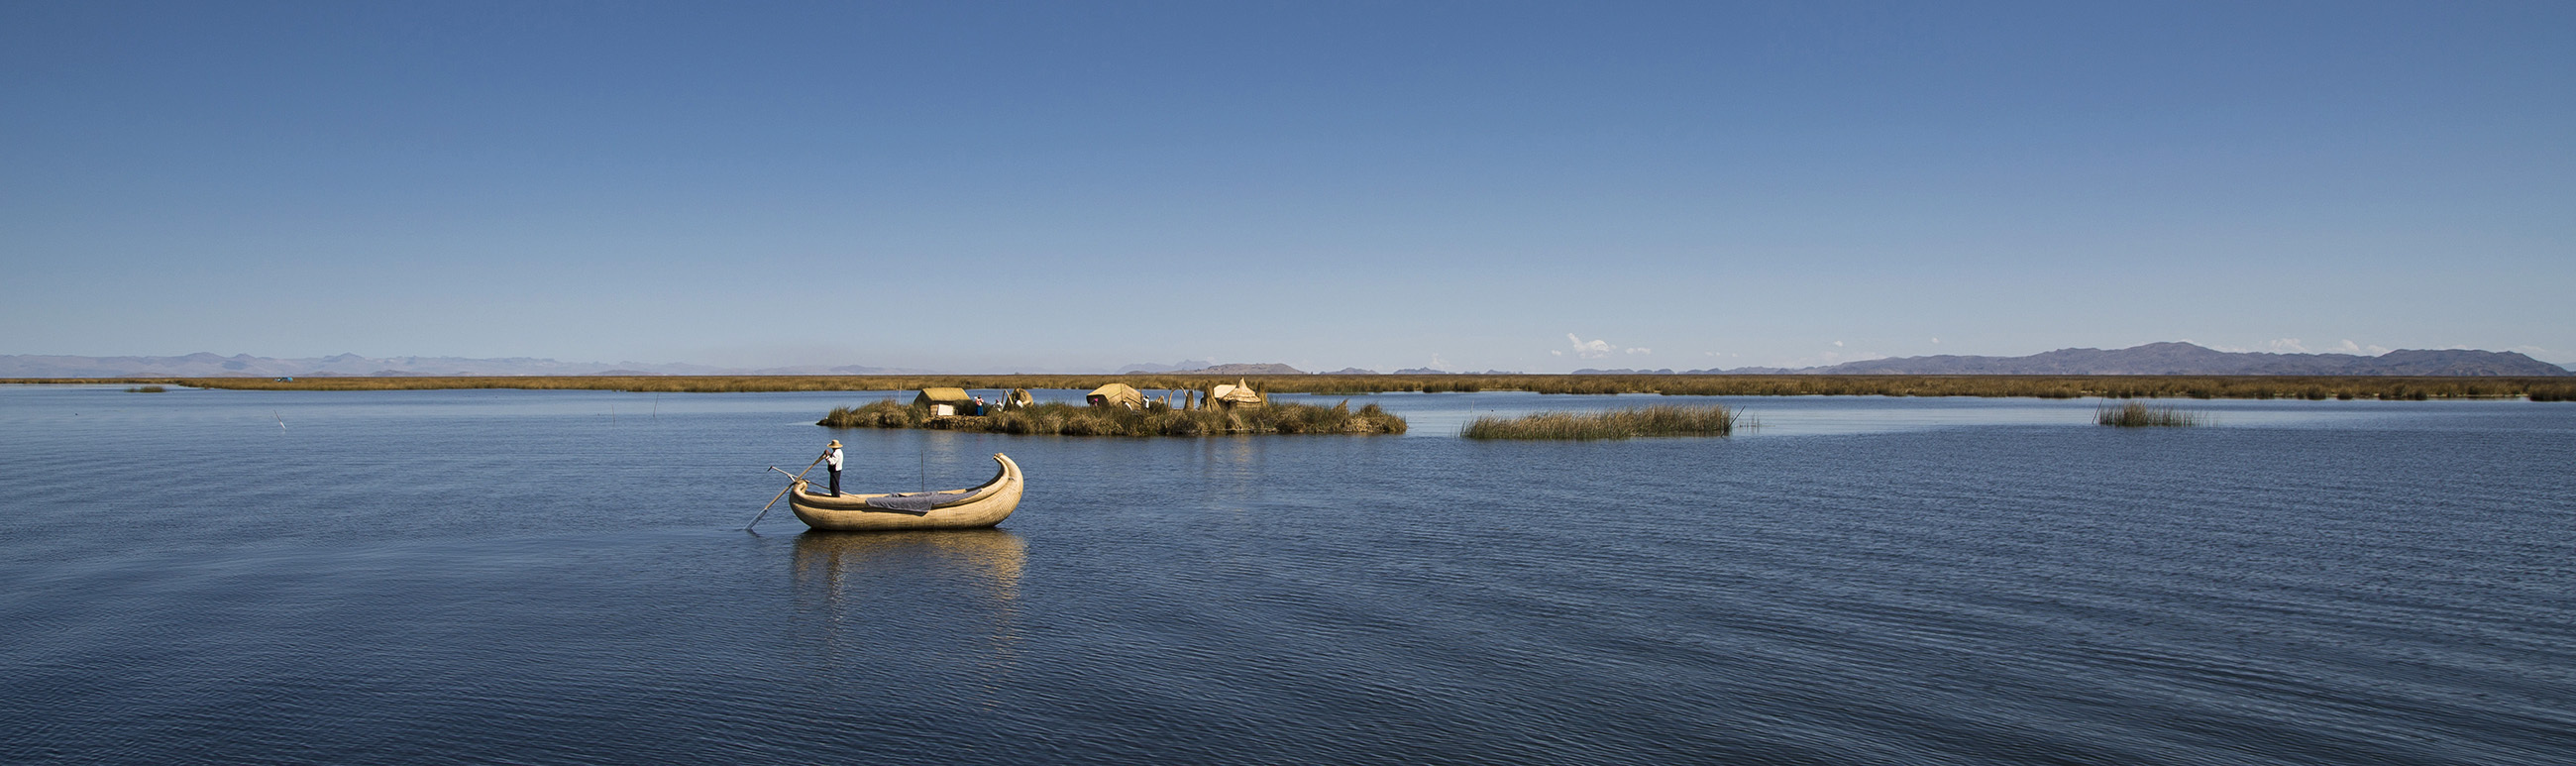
x=2175, y=359
x=1232, y=369
x=2150, y=359
x=203, y=365
x=1183, y=366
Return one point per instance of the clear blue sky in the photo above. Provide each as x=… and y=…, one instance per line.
x=1474, y=185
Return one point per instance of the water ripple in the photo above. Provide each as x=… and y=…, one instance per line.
x=516, y=577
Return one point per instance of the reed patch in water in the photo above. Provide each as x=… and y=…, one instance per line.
x=2140, y=415
x=146, y=390
x=1157, y=419
x=1656, y=420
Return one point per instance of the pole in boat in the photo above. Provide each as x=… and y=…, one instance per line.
x=791, y=484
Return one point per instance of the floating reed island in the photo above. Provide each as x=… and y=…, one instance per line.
x=1656, y=420
x=1151, y=419
x=2142, y=415
x=2544, y=389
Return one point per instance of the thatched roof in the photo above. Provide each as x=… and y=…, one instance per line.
x=1238, y=392
x=1115, y=394
x=930, y=396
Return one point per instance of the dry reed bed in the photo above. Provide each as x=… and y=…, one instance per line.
x=1655, y=420
x=1157, y=419
x=2140, y=414
x=2040, y=386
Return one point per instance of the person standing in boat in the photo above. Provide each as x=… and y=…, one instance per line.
x=832, y=459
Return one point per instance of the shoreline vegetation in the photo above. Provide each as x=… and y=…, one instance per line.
x=1655, y=420
x=1155, y=419
x=2136, y=414
x=2538, y=389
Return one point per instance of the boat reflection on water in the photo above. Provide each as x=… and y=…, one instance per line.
x=989, y=559
x=924, y=599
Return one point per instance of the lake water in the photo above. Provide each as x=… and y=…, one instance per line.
x=562, y=577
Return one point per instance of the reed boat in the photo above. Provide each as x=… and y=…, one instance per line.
x=983, y=505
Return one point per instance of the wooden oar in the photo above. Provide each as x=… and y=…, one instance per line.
x=791, y=484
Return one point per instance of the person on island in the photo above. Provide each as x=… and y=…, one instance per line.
x=832, y=458
x=979, y=405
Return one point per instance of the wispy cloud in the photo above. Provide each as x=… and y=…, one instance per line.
x=2297, y=346
x=1591, y=349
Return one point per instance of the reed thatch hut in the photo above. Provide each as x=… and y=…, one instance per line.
x=1236, y=394
x=957, y=400
x=1116, y=394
